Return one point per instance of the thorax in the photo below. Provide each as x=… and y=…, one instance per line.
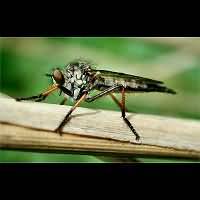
x=77, y=79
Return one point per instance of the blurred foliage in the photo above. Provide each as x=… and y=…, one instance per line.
x=24, y=62
x=140, y=51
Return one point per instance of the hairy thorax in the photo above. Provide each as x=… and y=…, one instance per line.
x=77, y=79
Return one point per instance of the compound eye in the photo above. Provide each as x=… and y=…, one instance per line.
x=58, y=76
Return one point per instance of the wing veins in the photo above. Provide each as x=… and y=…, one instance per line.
x=128, y=77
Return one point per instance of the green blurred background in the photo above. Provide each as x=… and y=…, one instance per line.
x=24, y=62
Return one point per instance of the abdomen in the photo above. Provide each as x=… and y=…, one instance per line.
x=133, y=85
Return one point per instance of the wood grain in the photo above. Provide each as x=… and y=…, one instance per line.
x=30, y=125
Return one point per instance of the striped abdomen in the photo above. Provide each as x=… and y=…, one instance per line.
x=131, y=83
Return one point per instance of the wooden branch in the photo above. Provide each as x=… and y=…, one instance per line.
x=31, y=125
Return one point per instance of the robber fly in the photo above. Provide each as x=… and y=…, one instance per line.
x=78, y=79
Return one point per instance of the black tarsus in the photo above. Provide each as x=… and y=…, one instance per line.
x=107, y=91
x=124, y=115
x=37, y=98
x=132, y=128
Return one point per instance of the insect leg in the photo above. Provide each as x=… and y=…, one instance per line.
x=63, y=101
x=105, y=92
x=58, y=129
x=124, y=115
x=121, y=105
x=117, y=102
x=41, y=96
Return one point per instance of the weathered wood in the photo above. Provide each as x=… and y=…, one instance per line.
x=14, y=137
x=33, y=125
